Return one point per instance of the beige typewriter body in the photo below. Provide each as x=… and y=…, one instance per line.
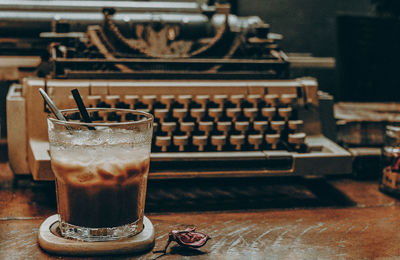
x=29, y=149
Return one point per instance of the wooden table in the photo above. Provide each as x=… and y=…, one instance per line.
x=268, y=218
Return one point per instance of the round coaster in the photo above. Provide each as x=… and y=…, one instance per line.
x=52, y=242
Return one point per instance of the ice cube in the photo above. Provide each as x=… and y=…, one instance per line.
x=136, y=167
x=110, y=170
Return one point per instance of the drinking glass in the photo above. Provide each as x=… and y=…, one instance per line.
x=101, y=171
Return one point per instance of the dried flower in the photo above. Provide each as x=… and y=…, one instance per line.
x=186, y=238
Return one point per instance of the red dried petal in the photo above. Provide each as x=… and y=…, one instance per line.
x=189, y=238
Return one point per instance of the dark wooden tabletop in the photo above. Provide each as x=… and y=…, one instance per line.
x=264, y=218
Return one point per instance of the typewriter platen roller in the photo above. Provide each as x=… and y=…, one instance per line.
x=203, y=128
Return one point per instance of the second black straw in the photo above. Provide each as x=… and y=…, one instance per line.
x=82, y=108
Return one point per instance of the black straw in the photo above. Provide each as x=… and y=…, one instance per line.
x=82, y=108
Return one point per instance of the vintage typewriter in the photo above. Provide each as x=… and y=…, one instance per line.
x=222, y=103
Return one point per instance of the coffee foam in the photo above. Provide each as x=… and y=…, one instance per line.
x=104, y=172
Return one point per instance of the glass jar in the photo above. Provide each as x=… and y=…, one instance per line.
x=390, y=182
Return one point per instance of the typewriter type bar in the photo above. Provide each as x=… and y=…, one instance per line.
x=203, y=128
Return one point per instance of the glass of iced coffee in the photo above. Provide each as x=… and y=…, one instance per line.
x=101, y=171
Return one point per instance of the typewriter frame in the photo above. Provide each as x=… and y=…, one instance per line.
x=28, y=142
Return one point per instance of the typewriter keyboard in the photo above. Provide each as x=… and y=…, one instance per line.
x=202, y=128
x=217, y=122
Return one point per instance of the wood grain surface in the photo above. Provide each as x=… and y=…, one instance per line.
x=337, y=218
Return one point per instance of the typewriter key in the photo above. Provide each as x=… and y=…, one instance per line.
x=215, y=113
x=206, y=127
x=187, y=127
x=161, y=114
x=224, y=127
x=219, y=141
x=237, y=100
x=271, y=99
x=132, y=100
x=295, y=124
x=202, y=100
x=273, y=140
x=288, y=99
x=112, y=100
x=285, y=112
x=237, y=141
x=255, y=140
x=243, y=127
x=254, y=99
x=167, y=100
x=260, y=126
x=197, y=113
x=163, y=142
x=250, y=113
x=200, y=141
x=268, y=112
x=149, y=100
x=92, y=101
x=297, y=139
x=180, y=113
x=168, y=127
x=233, y=113
x=278, y=126
x=185, y=100
x=220, y=100
x=181, y=141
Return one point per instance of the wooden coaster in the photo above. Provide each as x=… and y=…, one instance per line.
x=51, y=241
